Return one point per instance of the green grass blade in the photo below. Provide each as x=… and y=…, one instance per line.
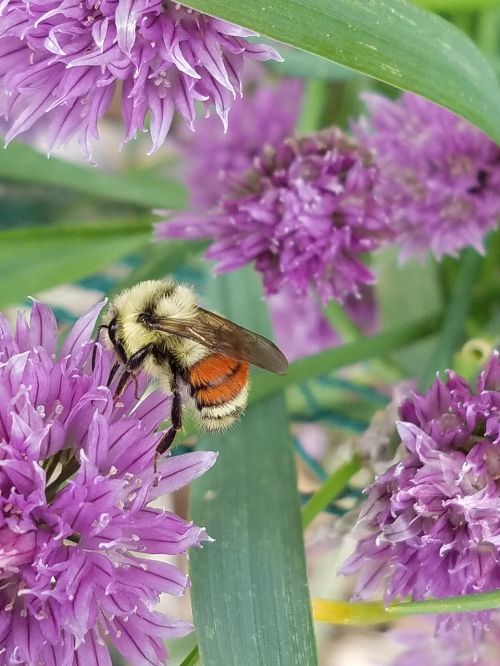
x=19, y=162
x=162, y=259
x=249, y=594
x=33, y=259
x=452, y=331
x=391, y=40
x=329, y=489
x=457, y=5
x=340, y=357
x=193, y=658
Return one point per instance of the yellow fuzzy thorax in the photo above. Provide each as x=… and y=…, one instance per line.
x=163, y=298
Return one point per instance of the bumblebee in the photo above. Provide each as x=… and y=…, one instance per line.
x=159, y=327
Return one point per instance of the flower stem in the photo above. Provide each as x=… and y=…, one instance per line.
x=192, y=658
x=375, y=612
x=488, y=25
x=312, y=106
x=329, y=489
x=452, y=329
x=340, y=321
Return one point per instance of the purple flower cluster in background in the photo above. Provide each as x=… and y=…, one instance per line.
x=439, y=175
x=63, y=61
x=432, y=521
x=76, y=484
x=305, y=215
x=307, y=212
x=456, y=648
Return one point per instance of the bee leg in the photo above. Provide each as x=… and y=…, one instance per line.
x=112, y=373
x=176, y=419
x=132, y=366
x=136, y=392
x=122, y=385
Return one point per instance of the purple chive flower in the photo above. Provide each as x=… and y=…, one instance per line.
x=65, y=61
x=263, y=117
x=76, y=484
x=305, y=214
x=440, y=176
x=432, y=521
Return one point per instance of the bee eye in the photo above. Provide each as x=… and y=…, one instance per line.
x=113, y=330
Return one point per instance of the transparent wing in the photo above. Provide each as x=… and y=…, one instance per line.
x=224, y=337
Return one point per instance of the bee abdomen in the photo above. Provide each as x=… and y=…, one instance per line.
x=219, y=385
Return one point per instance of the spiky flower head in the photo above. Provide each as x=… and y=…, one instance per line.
x=439, y=175
x=76, y=485
x=305, y=215
x=431, y=523
x=63, y=61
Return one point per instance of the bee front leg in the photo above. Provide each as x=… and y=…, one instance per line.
x=132, y=366
x=176, y=419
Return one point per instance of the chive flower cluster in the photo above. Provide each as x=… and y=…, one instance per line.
x=305, y=214
x=76, y=520
x=308, y=212
x=430, y=527
x=62, y=62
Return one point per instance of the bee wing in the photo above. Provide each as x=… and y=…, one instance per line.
x=225, y=337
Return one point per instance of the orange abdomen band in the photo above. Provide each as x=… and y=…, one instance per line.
x=217, y=379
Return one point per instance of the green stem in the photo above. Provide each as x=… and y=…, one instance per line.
x=340, y=321
x=192, y=658
x=329, y=490
x=312, y=106
x=374, y=612
x=487, y=30
x=452, y=329
x=70, y=468
x=318, y=365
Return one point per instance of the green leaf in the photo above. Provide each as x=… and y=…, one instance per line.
x=163, y=258
x=390, y=40
x=329, y=489
x=19, y=162
x=249, y=594
x=33, y=259
x=457, y=5
x=305, y=65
